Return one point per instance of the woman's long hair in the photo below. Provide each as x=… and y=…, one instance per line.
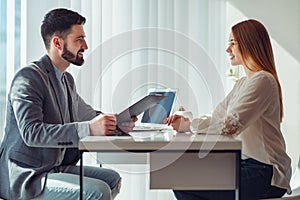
x=256, y=50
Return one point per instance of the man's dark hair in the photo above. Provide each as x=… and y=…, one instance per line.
x=58, y=22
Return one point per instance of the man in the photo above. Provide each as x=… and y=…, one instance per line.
x=45, y=119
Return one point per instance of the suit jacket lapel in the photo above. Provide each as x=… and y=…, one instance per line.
x=45, y=64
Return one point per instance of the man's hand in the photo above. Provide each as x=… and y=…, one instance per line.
x=127, y=127
x=103, y=124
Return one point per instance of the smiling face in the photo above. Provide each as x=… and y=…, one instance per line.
x=74, y=46
x=234, y=51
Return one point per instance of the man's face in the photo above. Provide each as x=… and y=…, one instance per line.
x=74, y=46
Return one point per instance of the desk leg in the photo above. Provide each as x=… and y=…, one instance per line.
x=81, y=174
x=238, y=176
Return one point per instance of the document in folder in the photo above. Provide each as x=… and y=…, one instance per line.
x=139, y=107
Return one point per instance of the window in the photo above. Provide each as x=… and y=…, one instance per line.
x=2, y=63
x=10, y=49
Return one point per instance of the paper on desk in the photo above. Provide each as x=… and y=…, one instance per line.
x=141, y=136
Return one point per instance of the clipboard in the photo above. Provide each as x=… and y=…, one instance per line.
x=139, y=107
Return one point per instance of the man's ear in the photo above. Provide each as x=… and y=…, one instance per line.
x=57, y=43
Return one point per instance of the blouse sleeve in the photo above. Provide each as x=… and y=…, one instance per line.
x=249, y=103
x=210, y=123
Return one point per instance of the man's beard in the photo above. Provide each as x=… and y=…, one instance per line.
x=74, y=59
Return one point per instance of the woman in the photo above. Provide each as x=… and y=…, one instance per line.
x=251, y=112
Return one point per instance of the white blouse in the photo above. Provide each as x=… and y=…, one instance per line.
x=252, y=113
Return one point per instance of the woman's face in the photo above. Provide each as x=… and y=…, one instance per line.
x=234, y=51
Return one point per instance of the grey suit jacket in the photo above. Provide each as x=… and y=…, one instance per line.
x=35, y=132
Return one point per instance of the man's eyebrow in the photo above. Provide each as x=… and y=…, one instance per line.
x=81, y=36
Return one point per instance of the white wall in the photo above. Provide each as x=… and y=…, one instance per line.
x=31, y=22
x=282, y=19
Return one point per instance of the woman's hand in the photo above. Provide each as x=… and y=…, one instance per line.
x=179, y=123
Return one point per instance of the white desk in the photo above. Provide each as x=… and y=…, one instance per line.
x=181, y=162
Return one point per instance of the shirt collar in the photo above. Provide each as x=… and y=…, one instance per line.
x=59, y=74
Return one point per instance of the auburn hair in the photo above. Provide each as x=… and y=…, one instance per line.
x=256, y=50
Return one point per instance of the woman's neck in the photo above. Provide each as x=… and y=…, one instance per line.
x=248, y=72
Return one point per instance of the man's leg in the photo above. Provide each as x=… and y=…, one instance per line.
x=111, y=177
x=62, y=186
x=98, y=183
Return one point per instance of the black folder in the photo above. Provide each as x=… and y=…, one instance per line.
x=139, y=107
